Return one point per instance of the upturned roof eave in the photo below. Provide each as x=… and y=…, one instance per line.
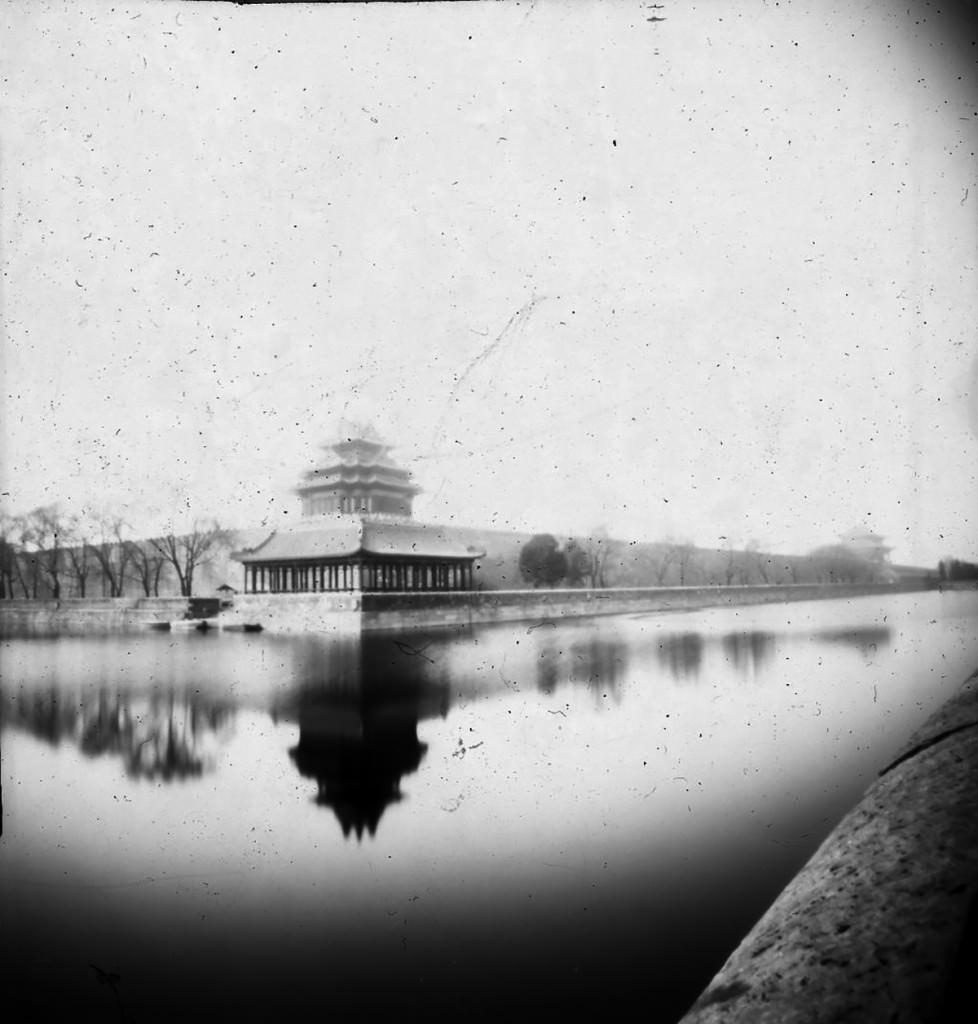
x=255, y=556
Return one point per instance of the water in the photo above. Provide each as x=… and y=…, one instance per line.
x=518, y=819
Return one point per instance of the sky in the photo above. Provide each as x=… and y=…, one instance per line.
x=711, y=277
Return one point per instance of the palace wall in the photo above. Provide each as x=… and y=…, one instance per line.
x=89, y=614
x=405, y=611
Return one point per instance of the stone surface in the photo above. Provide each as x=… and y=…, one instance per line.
x=872, y=927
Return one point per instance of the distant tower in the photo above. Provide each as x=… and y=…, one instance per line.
x=861, y=541
x=359, y=478
x=356, y=533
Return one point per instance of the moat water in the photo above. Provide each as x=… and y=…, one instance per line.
x=512, y=820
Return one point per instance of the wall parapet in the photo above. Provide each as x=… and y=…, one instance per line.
x=880, y=924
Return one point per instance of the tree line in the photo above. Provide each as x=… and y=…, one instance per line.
x=599, y=561
x=49, y=553
x=956, y=569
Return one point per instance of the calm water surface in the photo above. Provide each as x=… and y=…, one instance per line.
x=531, y=818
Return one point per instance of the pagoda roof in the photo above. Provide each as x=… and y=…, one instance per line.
x=340, y=476
x=344, y=536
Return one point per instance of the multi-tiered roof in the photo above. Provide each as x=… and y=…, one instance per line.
x=360, y=477
x=356, y=532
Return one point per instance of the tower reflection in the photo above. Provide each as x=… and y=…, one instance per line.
x=358, y=726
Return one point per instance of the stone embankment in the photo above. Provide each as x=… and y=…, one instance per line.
x=346, y=612
x=424, y=610
x=89, y=614
x=882, y=923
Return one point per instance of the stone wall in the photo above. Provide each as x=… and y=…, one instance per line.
x=882, y=923
x=296, y=613
x=347, y=612
x=88, y=615
x=424, y=610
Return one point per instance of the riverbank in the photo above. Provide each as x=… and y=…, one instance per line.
x=352, y=612
x=373, y=612
x=881, y=922
x=89, y=614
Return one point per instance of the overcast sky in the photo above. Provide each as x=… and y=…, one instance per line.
x=709, y=277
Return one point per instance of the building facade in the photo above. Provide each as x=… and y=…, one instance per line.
x=357, y=532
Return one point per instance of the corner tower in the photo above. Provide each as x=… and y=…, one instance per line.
x=358, y=477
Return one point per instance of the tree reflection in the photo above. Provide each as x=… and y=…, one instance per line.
x=162, y=737
x=597, y=663
x=680, y=653
x=747, y=652
x=358, y=728
x=867, y=641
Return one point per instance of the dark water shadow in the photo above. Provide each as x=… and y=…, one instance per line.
x=358, y=709
x=867, y=641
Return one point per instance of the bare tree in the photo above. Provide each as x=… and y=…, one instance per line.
x=758, y=560
x=664, y=556
x=112, y=550
x=78, y=554
x=10, y=565
x=685, y=554
x=44, y=542
x=598, y=547
x=23, y=564
x=186, y=552
x=147, y=564
x=730, y=560
x=837, y=563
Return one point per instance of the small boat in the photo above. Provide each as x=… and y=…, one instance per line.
x=189, y=625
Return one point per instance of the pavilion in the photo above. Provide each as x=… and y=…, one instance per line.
x=357, y=533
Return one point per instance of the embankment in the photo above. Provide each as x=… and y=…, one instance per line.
x=406, y=611
x=366, y=612
x=89, y=614
x=880, y=924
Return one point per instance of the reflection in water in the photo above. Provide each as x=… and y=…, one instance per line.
x=357, y=752
x=680, y=653
x=158, y=737
x=747, y=652
x=358, y=727
x=867, y=641
x=597, y=663
x=585, y=849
